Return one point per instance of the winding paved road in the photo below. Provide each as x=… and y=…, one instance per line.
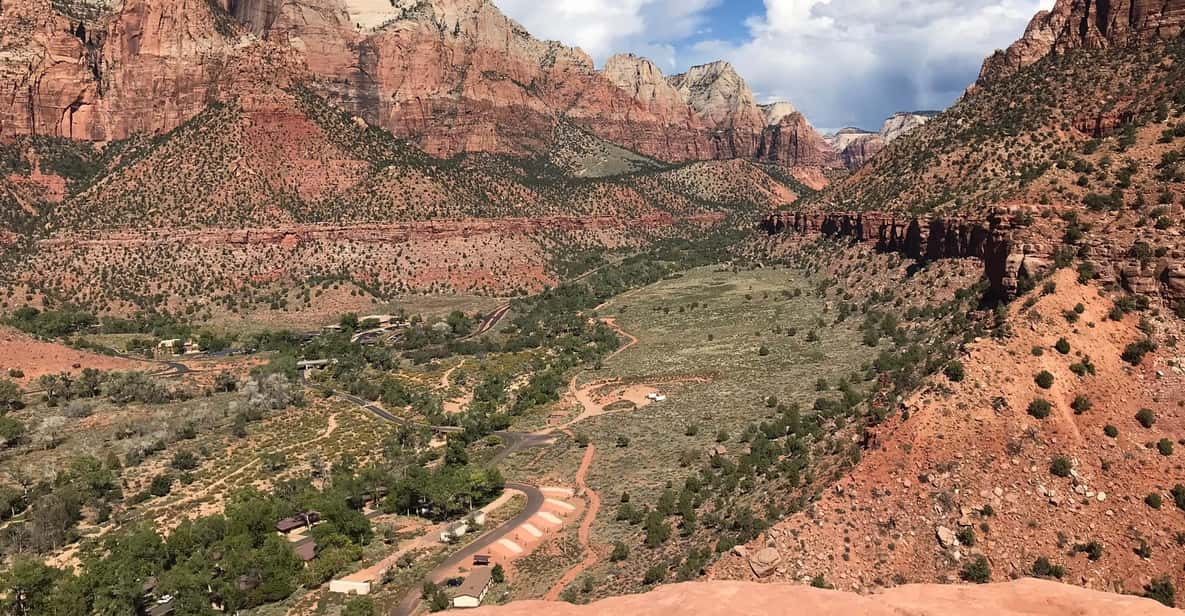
x=491, y=321
x=512, y=442
x=534, y=505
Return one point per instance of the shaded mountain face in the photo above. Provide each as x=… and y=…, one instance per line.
x=452, y=76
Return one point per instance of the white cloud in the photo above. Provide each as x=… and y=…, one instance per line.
x=853, y=62
x=605, y=27
x=842, y=62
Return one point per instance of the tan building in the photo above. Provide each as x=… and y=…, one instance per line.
x=473, y=590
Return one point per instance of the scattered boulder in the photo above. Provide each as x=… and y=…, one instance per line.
x=947, y=537
x=765, y=561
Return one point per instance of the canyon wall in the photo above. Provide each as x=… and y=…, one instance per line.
x=1009, y=252
x=451, y=76
x=1087, y=24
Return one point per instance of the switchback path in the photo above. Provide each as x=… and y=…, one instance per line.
x=584, y=535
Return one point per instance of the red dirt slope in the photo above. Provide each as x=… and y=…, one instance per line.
x=972, y=444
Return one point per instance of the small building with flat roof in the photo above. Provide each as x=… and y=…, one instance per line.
x=473, y=590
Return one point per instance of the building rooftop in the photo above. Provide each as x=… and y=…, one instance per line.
x=476, y=583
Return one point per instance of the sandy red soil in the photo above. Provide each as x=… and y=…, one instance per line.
x=35, y=358
x=1028, y=597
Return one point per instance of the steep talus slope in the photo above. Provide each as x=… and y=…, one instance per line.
x=970, y=457
x=260, y=196
x=1020, y=598
x=1012, y=129
x=1052, y=448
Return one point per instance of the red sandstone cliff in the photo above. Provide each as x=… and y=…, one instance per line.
x=1009, y=251
x=1091, y=24
x=452, y=76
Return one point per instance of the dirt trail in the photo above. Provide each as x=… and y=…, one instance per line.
x=445, y=379
x=584, y=535
x=633, y=340
x=583, y=395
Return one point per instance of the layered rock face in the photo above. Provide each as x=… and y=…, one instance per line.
x=453, y=76
x=856, y=146
x=1089, y=24
x=145, y=69
x=1009, y=252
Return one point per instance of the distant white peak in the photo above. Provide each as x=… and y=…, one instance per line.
x=845, y=137
x=903, y=122
x=775, y=112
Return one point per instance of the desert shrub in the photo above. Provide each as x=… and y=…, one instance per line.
x=620, y=552
x=185, y=461
x=1154, y=500
x=161, y=485
x=225, y=382
x=1111, y=431
x=1040, y=408
x=1146, y=418
x=1161, y=589
x=1062, y=346
x=1134, y=353
x=1044, y=379
x=1178, y=493
x=954, y=371
x=977, y=571
x=1165, y=447
x=1061, y=466
x=1045, y=569
x=966, y=536
x=1093, y=550
x=1082, y=368
x=359, y=606
x=11, y=431
x=10, y=396
x=655, y=574
x=77, y=409
x=1081, y=404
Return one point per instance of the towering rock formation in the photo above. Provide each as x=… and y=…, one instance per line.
x=901, y=123
x=719, y=95
x=1091, y=24
x=857, y=146
x=452, y=76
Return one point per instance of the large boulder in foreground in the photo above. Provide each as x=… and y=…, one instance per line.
x=1026, y=597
